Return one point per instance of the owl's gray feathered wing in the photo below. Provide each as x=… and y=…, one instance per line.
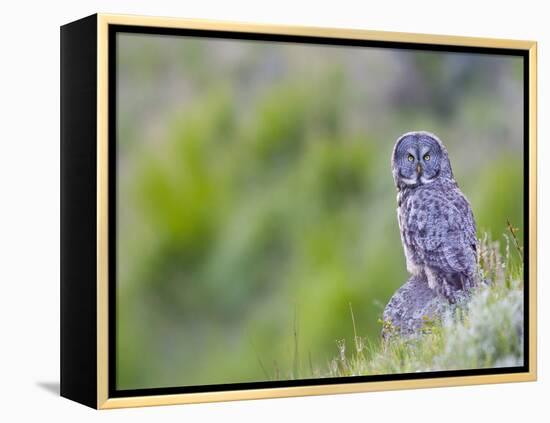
x=441, y=232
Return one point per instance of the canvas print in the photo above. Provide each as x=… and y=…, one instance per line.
x=298, y=211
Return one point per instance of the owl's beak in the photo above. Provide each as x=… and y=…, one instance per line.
x=418, y=169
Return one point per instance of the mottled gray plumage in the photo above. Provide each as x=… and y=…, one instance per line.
x=435, y=219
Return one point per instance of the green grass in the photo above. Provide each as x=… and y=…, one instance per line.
x=487, y=332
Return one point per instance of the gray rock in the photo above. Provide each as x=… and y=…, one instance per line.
x=411, y=308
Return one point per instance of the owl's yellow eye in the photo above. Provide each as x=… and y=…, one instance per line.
x=410, y=158
x=427, y=157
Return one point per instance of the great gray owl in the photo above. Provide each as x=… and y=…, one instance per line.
x=436, y=222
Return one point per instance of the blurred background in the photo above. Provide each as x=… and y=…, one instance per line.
x=255, y=198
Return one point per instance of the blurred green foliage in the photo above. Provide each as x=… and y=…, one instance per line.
x=256, y=203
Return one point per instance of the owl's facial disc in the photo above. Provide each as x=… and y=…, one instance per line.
x=417, y=159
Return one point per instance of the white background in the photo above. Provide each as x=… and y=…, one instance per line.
x=29, y=209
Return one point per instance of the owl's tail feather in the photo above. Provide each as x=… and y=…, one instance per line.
x=456, y=287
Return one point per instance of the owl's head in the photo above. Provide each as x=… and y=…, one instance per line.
x=419, y=158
